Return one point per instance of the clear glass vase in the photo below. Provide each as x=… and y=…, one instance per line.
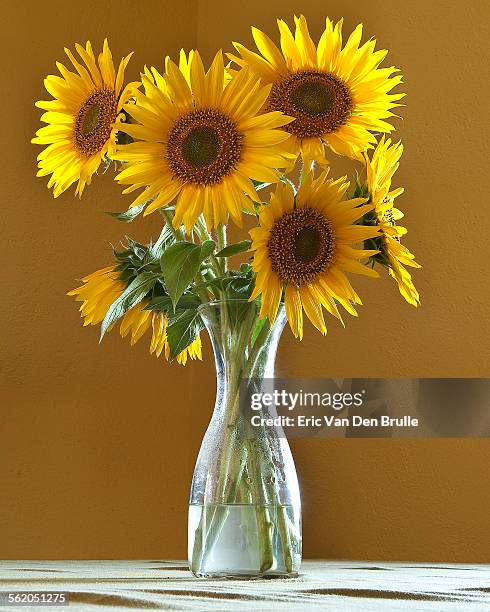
x=245, y=511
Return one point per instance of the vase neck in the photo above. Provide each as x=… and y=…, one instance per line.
x=244, y=346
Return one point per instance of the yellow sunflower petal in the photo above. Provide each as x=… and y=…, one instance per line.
x=294, y=311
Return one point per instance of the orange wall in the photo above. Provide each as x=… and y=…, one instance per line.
x=98, y=442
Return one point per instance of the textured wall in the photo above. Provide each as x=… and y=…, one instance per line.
x=98, y=442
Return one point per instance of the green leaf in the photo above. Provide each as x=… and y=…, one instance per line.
x=165, y=239
x=245, y=268
x=259, y=324
x=163, y=303
x=132, y=295
x=128, y=215
x=361, y=190
x=182, y=330
x=188, y=301
x=180, y=263
x=126, y=275
x=207, y=247
x=233, y=249
x=241, y=285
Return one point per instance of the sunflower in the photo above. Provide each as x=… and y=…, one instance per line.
x=138, y=321
x=338, y=96
x=83, y=118
x=304, y=245
x=380, y=170
x=101, y=288
x=201, y=139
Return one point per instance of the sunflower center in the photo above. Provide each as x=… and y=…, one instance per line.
x=93, y=124
x=320, y=102
x=312, y=98
x=301, y=246
x=203, y=147
x=91, y=120
x=306, y=244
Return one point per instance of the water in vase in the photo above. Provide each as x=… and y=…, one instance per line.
x=229, y=538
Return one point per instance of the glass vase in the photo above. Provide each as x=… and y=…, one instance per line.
x=245, y=511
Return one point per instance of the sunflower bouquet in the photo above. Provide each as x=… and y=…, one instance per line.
x=250, y=137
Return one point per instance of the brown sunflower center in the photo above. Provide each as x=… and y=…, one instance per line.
x=203, y=147
x=301, y=245
x=94, y=121
x=320, y=102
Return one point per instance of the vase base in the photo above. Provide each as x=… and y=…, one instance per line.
x=244, y=541
x=245, y=576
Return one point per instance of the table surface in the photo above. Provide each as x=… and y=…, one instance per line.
x=168, y=585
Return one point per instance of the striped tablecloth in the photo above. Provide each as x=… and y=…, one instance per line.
x=325, y=585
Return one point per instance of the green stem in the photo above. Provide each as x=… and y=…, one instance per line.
x=167, y=215
x=221, y=235
x=284, y=536
x=203, y=234
x=304, y=171
x=202, y=291
x=265, y=526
